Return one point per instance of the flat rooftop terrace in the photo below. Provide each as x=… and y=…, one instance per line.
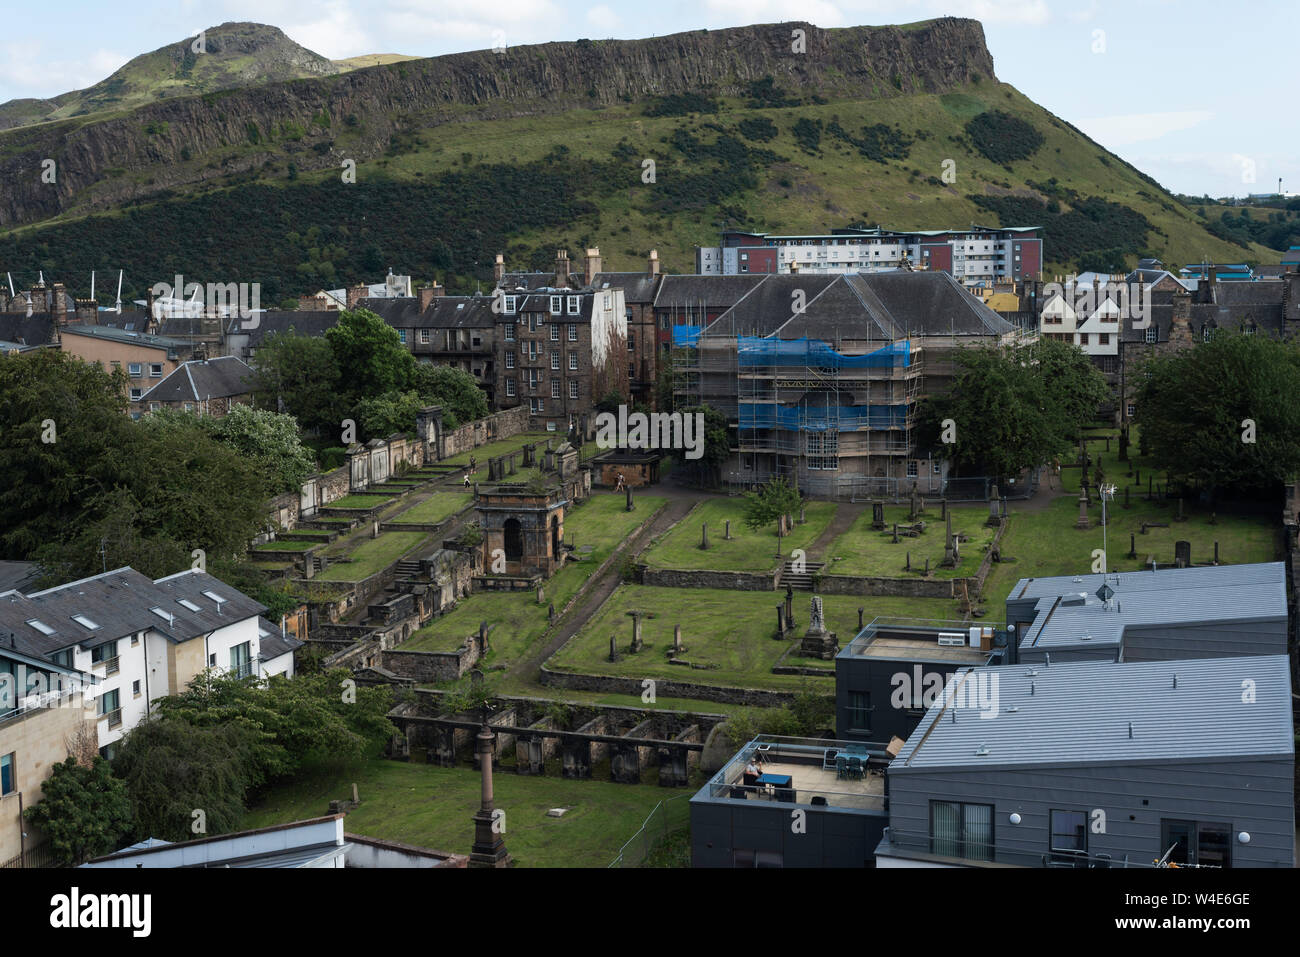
x=815, y=771
x=917, y=639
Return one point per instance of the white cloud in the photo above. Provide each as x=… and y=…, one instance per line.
x=737, y=12
x=1083, y=15
x=20, y=75
x=1022, y=12
x=1117, y=131
x=604, y=18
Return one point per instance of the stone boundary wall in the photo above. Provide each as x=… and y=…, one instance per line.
x=705, y=578
x=611, y=684
x=433, y=665
x=493, y=428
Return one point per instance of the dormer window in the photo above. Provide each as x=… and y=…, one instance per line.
x=555, y=305
x=575, y=305
x=508, y=305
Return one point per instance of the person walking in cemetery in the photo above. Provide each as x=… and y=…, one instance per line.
x=619, y=480
x=467, y=478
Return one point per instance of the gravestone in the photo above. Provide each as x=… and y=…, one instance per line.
x=907, y=566
x=629, y=507
x=817, y=641
x=878, y=516
x=943, y=508
x=915, y=503
x=1216, y=553
x=550, y=613
x=483, y=637
x=860, y=611
x=1083, y=511
x=530, y=455
x=613, y=648
x=541, y=595
x=726, y=530
x=895, y=542
x=1132, y=545
x=780, y=621
x=678, y=648
x=802, y=520
x=636, y=631
x=704, y=536
x=1182, y=554
x=1180, y=517
x=789, y=607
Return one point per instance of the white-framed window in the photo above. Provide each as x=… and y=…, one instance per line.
x=424, y=335
x=911, y=468
x=510, y=332
x=510, y=359
x=510, y=386
x=573, y=332
x=135, y=394
x=536, y=406
x=555, y=388
x=555, y=333
x=573, y=388
x=533, y=378
x=508, y=305
x=573, y=362
x=135, y=370
x=155, y=370
x=575, y=305
x=555, y=305
x=555, y=360
x=189, y=406
x=609, y=300
x=1132, y=410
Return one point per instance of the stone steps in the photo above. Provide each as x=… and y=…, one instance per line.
x=800, y=581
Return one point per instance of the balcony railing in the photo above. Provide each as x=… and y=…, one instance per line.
x=111, y=665
x=114, y=718
x=242, y=670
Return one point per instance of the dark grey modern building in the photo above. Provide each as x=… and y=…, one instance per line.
x=825, y=806
x=1174, y=613
x=1101, y=764
x=888, y=675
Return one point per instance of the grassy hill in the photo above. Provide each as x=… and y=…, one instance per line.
x=473, y=167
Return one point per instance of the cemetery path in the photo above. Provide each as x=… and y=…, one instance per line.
x=680, y=502
x=846, y=513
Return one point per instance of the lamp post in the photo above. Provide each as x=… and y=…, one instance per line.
x=1107, y=492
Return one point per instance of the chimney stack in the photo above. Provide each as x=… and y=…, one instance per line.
x=430, y=293
x=59, y=303
x=499, y=269
x=356, y=293
x=561, y=268
x=653, y=269
x=591, y=266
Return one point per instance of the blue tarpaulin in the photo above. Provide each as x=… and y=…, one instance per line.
x=755, y=351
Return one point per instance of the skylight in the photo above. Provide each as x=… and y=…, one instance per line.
x=85, y=622
x=40, y=626
x=162, y=614
x=214, y=596
x=186, y=603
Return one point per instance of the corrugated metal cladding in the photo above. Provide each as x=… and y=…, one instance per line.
x=1170, y=579
x=1105, y=713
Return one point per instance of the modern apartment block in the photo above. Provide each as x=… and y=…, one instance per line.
x=977, y=255
x=1115, y=721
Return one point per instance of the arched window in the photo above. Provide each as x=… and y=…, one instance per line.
x=514, y=540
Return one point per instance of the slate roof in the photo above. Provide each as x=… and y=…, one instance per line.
x=119, y=603
x=129, y=338
x=695, y=292
x=34, y=331
x=535, y=280
x=638, y=287
x=309, y=322
x=884, y=306
x=199, y=379
x=1081, y=713
x=271, y=643
x=444, y=312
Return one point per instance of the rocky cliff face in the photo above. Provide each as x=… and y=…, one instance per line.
x=188, y=140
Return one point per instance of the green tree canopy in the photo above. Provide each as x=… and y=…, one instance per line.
x=84, y=810
x=454, y=389
x=774, y=498
x=370, y=356
x=298, y=374
x=268, y=440
x=1195, y=411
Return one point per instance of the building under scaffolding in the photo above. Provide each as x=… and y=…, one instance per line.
x=821, y=376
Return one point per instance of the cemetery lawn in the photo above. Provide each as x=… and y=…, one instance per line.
x=286, y=545
x=372, y=555
x=729, y=630
x=429, y=806
x=515, y=618
x=358, y=500
x=501, y=447
x=1045, y=543
x=747, y=551
x=863, y=551
x=434, y=509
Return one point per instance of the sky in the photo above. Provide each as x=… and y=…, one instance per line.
x=1194, y=93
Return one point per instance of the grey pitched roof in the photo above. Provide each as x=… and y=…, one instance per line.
x=37, y=330
x=119, y=602
x=444, y=312
x=271, y=642
x=1081, y=714
x=199, y=379
x=18, y=575
x=535, y=280
x=308, y=322
x=696, y=292
x=638, y=287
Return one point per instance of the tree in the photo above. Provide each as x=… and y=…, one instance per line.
x=269, y=440
x=1223, y=414
x=1012, y=408
x=455, y=390
x=85, y=810
x=369, y=355
x=298, y=374
x=774, y=498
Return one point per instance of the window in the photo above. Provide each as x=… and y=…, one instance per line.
x=631, y=341
x=106, y=655
x=533, y=378
x=822, y=450
x=116, y=363
x=555, y=333
x=212, y=660
x=631, y=370
x=186, y=603
x=153, y=406
x=8, y=785
x=575, y=305
x=1206, y=332
x=110, y=707
x=135, y=640
x=155, y=370
x=136, y=394
x=573, y=362
x=573, y=388
x=508, y=305
x=1069, y=837
x=135, y=689
x=555, y=305
x=424, y=335
x=135, y=370
x=911, y=469
x=961, y=830
x=1191, y=842
x=573, y=332
x=555, y=360
x=85, y=622
x=510, y=359
x=40, y=626
x=536, y=406
x=936, y=467
x=401, y=335
x=1132, y=410
x=510, y=386
x=1153, y=334
x=744, y=857
x=860, y=710
x=1103, y=338
x=241, y=665
x=189, y=406
x=555, y=388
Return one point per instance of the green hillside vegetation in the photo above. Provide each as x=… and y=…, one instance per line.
x=433, y=205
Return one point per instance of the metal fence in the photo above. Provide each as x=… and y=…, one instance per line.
x=38, y=856
x=669, y=815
